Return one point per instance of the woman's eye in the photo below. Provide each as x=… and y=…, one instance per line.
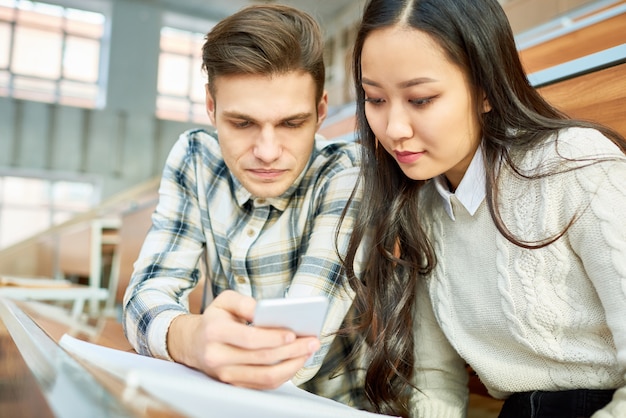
x=421, y=102
x=373, y=100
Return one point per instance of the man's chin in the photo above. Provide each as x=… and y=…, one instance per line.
x=267, y=191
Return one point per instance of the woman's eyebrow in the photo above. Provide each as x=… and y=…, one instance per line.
x=404, y=84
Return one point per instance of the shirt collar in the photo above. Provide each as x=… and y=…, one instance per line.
x=471, y=191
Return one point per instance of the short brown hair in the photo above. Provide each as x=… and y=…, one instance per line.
x=265, y=39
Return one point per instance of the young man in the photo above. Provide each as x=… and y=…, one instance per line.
x=260, y=204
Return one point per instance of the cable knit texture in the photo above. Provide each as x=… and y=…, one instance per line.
x=544, y=319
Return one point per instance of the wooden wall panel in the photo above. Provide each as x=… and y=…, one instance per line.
x=599, y=96
x=585, y=41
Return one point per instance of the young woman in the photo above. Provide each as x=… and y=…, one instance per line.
x=497, y=224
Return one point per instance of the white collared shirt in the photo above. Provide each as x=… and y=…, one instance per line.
x=471, y=191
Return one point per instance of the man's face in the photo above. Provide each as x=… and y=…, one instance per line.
x=266, y=127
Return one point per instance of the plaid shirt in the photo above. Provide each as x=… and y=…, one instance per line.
x=264, y=248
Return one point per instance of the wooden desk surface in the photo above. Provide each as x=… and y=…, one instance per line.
x=40, y=379
x=109, y=332
x=25, y=394
x=17, y=397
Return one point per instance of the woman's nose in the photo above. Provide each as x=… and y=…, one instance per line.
x=398, y=124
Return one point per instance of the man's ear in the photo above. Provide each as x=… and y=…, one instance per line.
x=210, y=104
x=322, y=109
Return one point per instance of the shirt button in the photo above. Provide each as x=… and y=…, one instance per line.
x=250, y=232
x=241, y=279
x=260, y=201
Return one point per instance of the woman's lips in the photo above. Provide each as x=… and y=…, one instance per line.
x=407, y=157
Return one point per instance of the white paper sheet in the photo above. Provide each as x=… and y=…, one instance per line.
x=195, y=394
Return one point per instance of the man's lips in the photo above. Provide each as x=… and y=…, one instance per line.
x=266, y=173
x=406, y=157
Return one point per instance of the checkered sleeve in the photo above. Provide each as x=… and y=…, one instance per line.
x=167, y=268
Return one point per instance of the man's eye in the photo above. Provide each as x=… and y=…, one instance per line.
x=293, y=124
x=242, y=124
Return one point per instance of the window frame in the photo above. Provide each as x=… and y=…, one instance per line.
x=195, y=109
x=52, y=207
x=56, y=85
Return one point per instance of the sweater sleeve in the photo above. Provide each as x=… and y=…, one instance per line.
x=440, y=374
x=598, y=237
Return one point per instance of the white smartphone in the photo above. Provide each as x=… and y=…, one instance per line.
x=303, y=315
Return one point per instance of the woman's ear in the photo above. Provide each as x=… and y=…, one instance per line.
x=486, y=104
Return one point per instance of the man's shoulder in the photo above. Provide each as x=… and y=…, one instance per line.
x=198, y=141
x=337, y=151
x=199, y=135
x=332, y=161
x=196, y=149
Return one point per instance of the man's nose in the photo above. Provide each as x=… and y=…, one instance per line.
x=268, y=147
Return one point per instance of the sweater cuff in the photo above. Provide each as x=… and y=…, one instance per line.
x=438, y=408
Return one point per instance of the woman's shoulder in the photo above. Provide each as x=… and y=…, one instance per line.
x=579, y=142
x=566, y=146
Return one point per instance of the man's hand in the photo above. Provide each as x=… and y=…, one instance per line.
x=221, y=344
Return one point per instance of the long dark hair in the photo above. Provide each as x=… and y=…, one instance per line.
x=476, y=36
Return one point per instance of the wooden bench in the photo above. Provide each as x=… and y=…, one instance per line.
x=591, y=88
x=579, y=37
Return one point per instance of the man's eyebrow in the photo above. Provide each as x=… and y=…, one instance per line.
x=297, y=116
x=404, y=84
x=243, y=116
x=237, y=115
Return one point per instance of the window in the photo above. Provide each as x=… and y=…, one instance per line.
x=29, y=205
x=50, y=53
x=180, y=90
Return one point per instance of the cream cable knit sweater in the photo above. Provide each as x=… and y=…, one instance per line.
x=546, y=319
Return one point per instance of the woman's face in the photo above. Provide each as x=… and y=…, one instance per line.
x=418, y=104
